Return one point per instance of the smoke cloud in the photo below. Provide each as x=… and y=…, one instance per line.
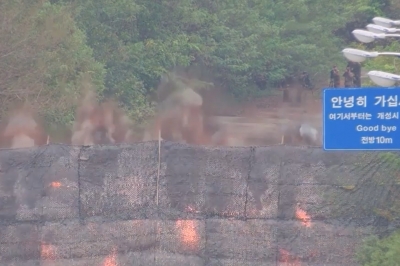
x=22, y=129
x=100, y=123
x=181, y=116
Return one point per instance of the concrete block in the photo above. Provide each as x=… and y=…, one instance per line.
x=39, y=183
x=203, y=181
x=98, y=239
x=19, y=242
x=319, y=244
x=186, y=237
x=250, y=242
x=119, y=182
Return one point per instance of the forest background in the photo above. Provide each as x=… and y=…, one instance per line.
x=50, y=51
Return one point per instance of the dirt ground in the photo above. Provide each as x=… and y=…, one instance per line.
x=268, y=106
x=265, y=120
x=218, y=104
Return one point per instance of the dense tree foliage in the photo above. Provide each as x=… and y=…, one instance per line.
x=387, y=64
x=43, y=57
x=381, y=252
x=384, y=172
x=243, y=46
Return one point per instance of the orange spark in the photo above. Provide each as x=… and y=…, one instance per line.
x=287, y=259
x=111, y=260
x=55, y=184
x=47, y=252
x=303, y=217
x=188, y=233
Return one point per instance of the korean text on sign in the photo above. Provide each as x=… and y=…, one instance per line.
x=349, y=102
x=361, y=119
x=367, y=140
x=390, y=101
x=350, y=116
x=388, y=115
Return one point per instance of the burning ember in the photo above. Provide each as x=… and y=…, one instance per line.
x=303, y=217
x=111, y=260
x=188, y=234
x=47, y=252
x=286, y=259
x=55, y=184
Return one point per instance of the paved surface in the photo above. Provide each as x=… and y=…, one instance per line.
x=106, y=206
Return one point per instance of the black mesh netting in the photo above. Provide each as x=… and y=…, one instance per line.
x=117, y=206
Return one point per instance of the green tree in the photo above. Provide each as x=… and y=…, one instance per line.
x=244, y=46
x=380, y=252
x=43, y=57
x=126, y=37
x=376, y=194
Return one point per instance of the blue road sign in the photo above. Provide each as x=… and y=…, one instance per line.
x=361, y=119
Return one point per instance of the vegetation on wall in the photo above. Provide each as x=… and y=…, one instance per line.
x=380, y=252
x=384, y=194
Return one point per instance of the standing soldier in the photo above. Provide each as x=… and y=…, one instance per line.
x=306, y=81
x=348, y=78
x=335, y=78
x=356, y=69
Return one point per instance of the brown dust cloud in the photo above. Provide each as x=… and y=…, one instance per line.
x=183, y=115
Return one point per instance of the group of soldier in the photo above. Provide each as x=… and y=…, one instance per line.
x=352, y=76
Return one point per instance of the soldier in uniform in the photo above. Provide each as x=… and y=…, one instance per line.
x=306, y=82
x=305, y=78
x=334, y=78
x=355, y=67
x=348, y=78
